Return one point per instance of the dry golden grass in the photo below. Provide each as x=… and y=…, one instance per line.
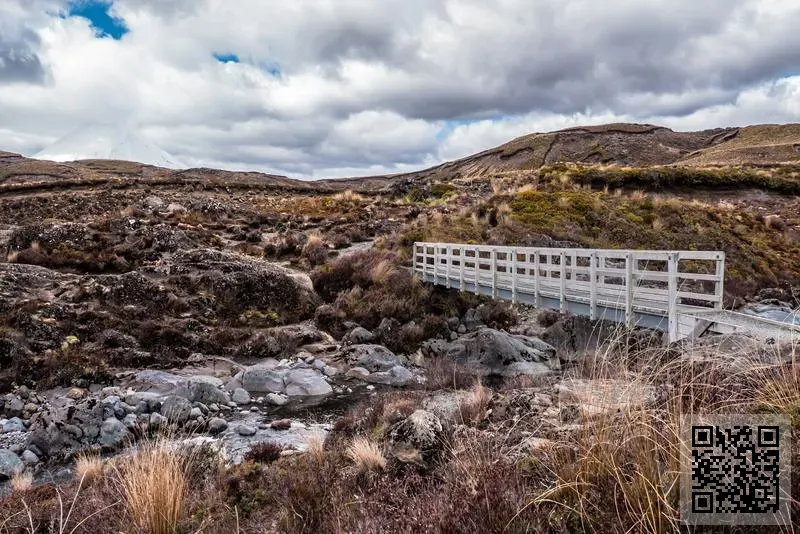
x=638, y=195
x=382, y=272
x=316, y=449
x=88, y=466
x=154, y=486
x=366, y=455
x=348, y=196
x=21, y=482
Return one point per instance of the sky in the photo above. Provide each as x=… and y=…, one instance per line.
x=328, y=88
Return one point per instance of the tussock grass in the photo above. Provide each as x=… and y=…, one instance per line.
x=366, y=455
x=316, y=449
x=22, y=482
x=88, y=466
x=154, y=486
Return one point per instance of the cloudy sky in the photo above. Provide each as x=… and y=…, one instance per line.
x=318, y=88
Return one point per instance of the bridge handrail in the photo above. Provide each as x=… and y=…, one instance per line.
x=607, y=274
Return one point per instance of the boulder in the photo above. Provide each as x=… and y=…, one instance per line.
x=217, y=425
x=396, y=376
x=357, y=372
x=262, y=379
x=113, y=434
x=206, y=390
x=29, y=457
x=492, y=352
x=575, y=336
x=358, y=336
x=10, y=464
x=306, y=383
x=241, y=282
x=371, y=357
x=245, y=430
x=276, y=399
x=14, y=424
x=240, y=396
x=418, y=437
x=14, y=407
x=176, y=409
x=157, y=420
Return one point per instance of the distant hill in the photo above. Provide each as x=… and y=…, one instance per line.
x=607, y=146
x=633, y=145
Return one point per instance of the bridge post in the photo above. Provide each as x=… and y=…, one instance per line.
x=629, y=282
x=563, y=275
x=461, y=256
x=477, y=270
x=672, y=292
x=414, y=259
x=436, y=264
x=513, y=276
x=593, y=286
x=493, y=257
x=719, y=287
x=536, y=278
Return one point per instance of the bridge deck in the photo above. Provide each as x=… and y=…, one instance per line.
x=679, y=292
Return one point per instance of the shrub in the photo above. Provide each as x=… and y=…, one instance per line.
x=265, y=452
x=498, y=314
x=315, y=250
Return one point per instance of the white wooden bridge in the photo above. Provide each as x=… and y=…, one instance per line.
x=678, y=292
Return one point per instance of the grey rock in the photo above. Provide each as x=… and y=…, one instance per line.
x=258, y=379
x=396, y=376
x=371, y=357
x=319, y=365
x=245, y=430
x=240, y=396
x=196, y=413
x=176, y=409
x=14, y=424
x=206, y=391
x=130, y=421
x=358, y=336
x=10, y=464
x=217, y=425
x=73, y=431
x=153, y=203
x=420, y=432
x=15, y=407
x=30, y=458
x=357, y=372
x=329, y=370
x=276, y=399
x=491, y=352
x=152, y=401
x=157, y=420
x=113, y=434
x=306, y=382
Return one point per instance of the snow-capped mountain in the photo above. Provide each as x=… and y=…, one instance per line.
x=108, y=141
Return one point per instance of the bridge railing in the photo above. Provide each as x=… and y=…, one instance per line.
x=643, y=281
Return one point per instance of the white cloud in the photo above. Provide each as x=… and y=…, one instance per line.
x=365, y=91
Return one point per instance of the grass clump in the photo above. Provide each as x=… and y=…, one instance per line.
x=155, y=486
x=366, y=455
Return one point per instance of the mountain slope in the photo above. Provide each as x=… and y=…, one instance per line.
x=630, y=145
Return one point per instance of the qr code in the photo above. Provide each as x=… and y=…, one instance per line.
x=738, y=470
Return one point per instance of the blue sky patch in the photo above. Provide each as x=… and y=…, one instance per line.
x=226, y=58
x=97, y=13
